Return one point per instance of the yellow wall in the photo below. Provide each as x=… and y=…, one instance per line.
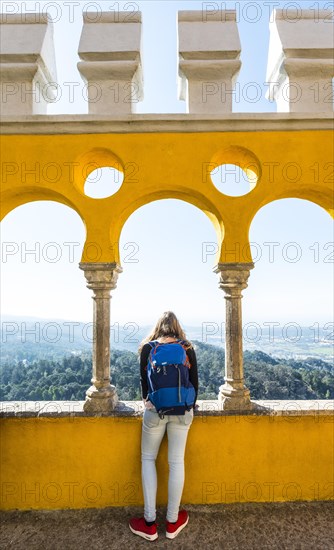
x=79, y=462
x=157, y=165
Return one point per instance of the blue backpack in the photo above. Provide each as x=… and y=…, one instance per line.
x=169, y=388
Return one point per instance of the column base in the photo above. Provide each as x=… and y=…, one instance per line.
x=103, y=400
x=235, y=399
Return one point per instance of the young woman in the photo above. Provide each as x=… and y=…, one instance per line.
x=167, y=329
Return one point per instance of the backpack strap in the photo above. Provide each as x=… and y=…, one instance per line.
x=153, y=343
x=183, y=344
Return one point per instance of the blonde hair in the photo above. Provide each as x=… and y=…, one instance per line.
x=167, y=325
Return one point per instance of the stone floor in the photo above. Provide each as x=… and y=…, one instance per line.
x=281, y=526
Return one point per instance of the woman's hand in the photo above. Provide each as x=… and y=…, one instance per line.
x=148, y=404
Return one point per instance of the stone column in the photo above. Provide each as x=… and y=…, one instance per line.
x=101, y=279
x=300, y=63
x=209, y=51
x=233, y=279
x=110, y=50
x=27, y=65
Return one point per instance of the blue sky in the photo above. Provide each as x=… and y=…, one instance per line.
x=293, y=275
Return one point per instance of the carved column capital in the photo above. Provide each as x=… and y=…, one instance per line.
x=101, y=276
x=233, y=277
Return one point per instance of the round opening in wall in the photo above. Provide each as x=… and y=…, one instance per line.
x=103, y=182
x=232, y=180
x=234, y=171
x=98, y=173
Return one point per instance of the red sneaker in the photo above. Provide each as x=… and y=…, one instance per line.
x=173, y=529
x=138, y=527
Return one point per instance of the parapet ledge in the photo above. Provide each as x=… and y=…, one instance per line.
x=163, y=123
x=216, y=15
x=297, y=14
x=25, y=18
x=112, y=17
x=135, y=409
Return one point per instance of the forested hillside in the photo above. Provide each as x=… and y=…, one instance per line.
x=69, y=377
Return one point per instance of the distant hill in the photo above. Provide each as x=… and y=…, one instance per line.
x=68, y=377
x=28, y=338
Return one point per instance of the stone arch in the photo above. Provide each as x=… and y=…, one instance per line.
x=13, y=199
x=197, y=199
x=166, y=258
x=322, y=200
x=36, y=253
x=295, y=257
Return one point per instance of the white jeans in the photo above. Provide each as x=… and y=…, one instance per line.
x=153, y=430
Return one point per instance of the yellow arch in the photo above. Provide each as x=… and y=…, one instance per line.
x=24, y=195
x=162, y=164
x=210, y=212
